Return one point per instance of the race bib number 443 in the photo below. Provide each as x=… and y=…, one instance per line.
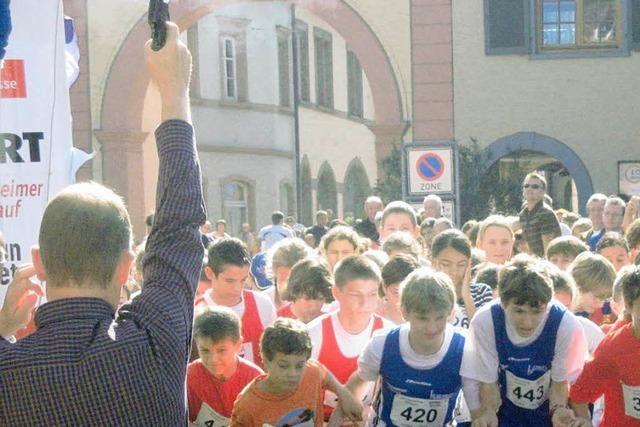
x=631, y=401
x=412, y=412
x=528, y=394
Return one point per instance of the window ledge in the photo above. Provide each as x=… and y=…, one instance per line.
x=581, y=53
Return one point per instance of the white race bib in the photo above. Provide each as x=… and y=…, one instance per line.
x=528, y=394
x=246, y=351
x=412, y=412
x=208, y=417
x=631, y=401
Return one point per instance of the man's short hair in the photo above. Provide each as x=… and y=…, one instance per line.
x=615, y=201
x=399, y=207
x=286, y=336
x=396, y=270
x=612, y=239
x=524, y=281
x=633, y=234
x=216, y=324
x=321, y=213
x=286, y=252
x=596, y=197
x=432, y=198
x=224, y=252
x=566, y=245
x=443, y=223
x=84, y=231
x=537, y=176
x=373, y=199
x=340, y=232
x=356, y=267
x=592, y=272
x=631, y=288
x=425, y=291
x=277, y=217
x=309, y=278
x=221, y=221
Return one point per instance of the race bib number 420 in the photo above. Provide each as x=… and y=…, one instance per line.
x=631, y=401
x=528, y=394
x=412, y=412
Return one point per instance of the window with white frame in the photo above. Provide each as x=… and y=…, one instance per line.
x=229, y=68
x=235, y=205
x=569, y=24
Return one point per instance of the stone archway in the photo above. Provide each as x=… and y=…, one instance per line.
x=327, y=195
x=532, y=141
x=123, y=106
x=356, y=188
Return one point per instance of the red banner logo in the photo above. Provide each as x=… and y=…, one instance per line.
x=12, y=81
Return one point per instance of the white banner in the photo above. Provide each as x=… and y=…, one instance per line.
x=36, y=152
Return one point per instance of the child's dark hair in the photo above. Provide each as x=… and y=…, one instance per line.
x=396, y=270
x=225, y=252
x=310, y=278
x=523, y=281
x=287, y=336
x=451, y=239
x=217, y=324
x=631, y=288
x=488, y=274
x=612, y=239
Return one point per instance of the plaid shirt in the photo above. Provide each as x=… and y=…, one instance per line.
x=83, y=366
x=537, y=222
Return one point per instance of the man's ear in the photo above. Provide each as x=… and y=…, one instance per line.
x=209, y=273
x=123, y=268
x=36, y=258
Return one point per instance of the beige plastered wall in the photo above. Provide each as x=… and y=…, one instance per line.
x=590, y=104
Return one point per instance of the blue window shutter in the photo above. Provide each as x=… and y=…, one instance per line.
x=635, y=24
x=506, y=27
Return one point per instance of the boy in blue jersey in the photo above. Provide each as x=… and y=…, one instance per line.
x=527, y=349
x=417, y=363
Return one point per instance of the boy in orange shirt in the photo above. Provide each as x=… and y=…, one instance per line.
x=292, y=391
x=219, y=375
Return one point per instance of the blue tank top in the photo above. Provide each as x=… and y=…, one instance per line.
x=418, y=397
x=525, y=371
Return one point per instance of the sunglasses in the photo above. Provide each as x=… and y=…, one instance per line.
x=534, y=186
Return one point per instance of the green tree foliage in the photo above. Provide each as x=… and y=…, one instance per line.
x=496, y=191
x=390, y=188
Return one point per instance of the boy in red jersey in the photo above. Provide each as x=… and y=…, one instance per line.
x=219, y=375
x=614, y=370
x=339, y=337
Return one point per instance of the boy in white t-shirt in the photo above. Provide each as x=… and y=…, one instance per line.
x=339, y=337
x=526, y=348
x=228, y=270
x=418, y=363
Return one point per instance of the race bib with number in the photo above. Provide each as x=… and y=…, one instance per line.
x=411, y=411
x=208, y=417
x=246, y=351
x=631, y=401
x=528, y=394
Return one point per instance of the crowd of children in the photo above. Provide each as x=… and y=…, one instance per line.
x=463, y=332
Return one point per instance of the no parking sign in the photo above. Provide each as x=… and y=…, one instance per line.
x=430, y=170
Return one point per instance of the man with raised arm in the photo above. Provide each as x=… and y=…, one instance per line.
x=89, y=363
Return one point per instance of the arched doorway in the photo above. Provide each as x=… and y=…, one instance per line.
x=566, y=160
x=356, y=189
x=125, y=112
x=327, y=189
x=306, y=202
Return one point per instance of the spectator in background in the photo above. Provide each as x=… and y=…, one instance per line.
x=432, y=205
x=221, y=230
x=249, y=239
x=539, y=223
x=280, y=260
x=367, y=227
x=272, y=234
x=612, y=217
x=580, y=228
x=633, y=238
x=320, y=228
x=441, y=224
x=614, y=247
x=595, y=208
x=426, y=235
